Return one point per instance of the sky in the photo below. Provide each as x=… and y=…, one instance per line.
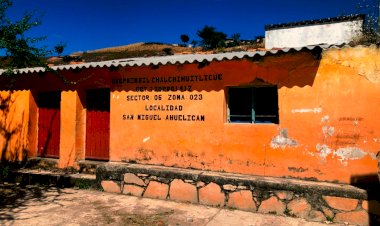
x=93, y=24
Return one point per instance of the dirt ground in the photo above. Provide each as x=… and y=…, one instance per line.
x=34, y=205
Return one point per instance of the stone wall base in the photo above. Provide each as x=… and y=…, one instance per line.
x=314, y=201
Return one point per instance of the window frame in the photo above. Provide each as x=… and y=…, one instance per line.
x=253, y=112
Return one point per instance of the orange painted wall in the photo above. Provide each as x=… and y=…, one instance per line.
x=72, y=85
x=72, y=141
x=326, y=106
x=14, y=125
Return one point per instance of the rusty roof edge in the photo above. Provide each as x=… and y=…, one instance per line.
x=173, y=59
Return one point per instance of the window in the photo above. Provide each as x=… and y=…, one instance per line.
x=253, y=104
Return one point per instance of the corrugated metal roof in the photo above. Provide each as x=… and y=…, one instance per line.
x=315, y=22
x=173, y=59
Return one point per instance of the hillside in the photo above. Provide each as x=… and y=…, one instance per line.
x=138, y=50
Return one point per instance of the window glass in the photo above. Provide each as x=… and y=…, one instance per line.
x=265, y=104
x=253, y=104
x=240, y=104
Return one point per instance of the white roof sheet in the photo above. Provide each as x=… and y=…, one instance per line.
x=173, y=59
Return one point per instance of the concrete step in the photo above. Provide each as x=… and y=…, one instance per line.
x=85, y=166
x=52, y=178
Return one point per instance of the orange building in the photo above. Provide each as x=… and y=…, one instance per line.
x=303, y=113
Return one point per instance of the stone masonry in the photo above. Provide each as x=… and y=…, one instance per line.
x=314, y=201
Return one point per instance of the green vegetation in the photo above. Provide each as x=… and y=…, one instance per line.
x=4, y=171
x=168, y=51
x=288, y=213
x=83, y=184
x=330, y=219
x=103, y=56
x=235, y=39
x=211, y=38
x=21, y=51
x=59, y=48
x=371, y=32
x=194, y=43
x=185, y=39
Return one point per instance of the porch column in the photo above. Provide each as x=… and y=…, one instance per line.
x=72, y=129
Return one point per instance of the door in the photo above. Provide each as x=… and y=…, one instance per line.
x=49, y=124
x=97, y=124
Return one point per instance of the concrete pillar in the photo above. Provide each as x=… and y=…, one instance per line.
x=80, y=138
x=33, y=126
x=72, y=132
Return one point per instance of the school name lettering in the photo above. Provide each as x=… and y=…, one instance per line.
x=163, y=88
x=168, y=79
x=153, y=111
x=154, y=117
x=171, y=97
x=163, y=107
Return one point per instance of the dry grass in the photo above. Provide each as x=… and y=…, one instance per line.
x=141, y=50
x=141, y=46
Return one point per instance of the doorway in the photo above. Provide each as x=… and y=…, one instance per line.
x=97, y=124
x=49, y=125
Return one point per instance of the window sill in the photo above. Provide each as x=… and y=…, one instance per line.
x=248, y=123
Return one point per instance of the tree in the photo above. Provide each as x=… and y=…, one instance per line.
x=211, y=38
x=20, y=50
x=371, y=9
x=184, y=38
x=371, y=33
x=236, y=38
x=168, y=51
x=59, y=48
x=194, y=43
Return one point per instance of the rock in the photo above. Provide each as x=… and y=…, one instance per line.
x=328, y=213
x=365, y=204
x=200, y=184
x=211, y=195
x=229, y=187
x=130, y=178
x=356, y=217
x=272, y=205
x=133, y=190
x=156, y=190
x=299, y=207
x=284, y=195
x=184, y=192
x=111, y=186
x=242, y=200
x=340, y=203
x=316, y=215
x=241, y=187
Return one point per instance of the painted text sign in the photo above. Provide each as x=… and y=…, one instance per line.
x=164, y=98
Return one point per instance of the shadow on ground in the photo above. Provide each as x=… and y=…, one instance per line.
x=371, y=184
x=15, y=198
x=21, y=204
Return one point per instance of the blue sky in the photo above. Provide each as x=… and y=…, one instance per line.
x=92, y=24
